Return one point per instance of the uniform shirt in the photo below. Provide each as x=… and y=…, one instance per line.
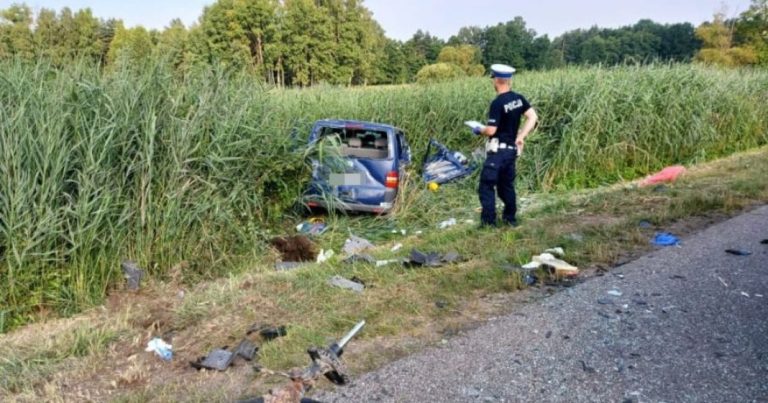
x=506, y=111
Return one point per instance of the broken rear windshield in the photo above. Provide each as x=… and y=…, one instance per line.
x=360, y=143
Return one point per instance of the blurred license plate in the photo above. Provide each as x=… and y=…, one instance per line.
x=346, y=179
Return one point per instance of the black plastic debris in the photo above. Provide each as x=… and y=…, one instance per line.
x=246, y=350
x=432, y=259
x=268, y=332
x=418, y=258
x=738, y=252
x=219, y=359
x=441, y=304
x=132, y=274
x=764, y=242
x=360, y=258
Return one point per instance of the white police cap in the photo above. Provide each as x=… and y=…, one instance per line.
x=502, y=71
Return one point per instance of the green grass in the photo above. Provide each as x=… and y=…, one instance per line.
x=399, y=305
x=97, y=167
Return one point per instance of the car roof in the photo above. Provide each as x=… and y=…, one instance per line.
x=364, y=124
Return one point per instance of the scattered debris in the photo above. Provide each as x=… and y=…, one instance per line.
x=132, y=274
x=576, y=237
x=268, y=332
x=360, y=258
x=325, y=362
x=604, y=301
x=296, y=248
x=738, y=252
x=397, y=247
x=287, y=266
x=219, y=359
x=324, y=255
x=668, y=174
x=561, y=267
x=759, y=295
x=355, y=245
x=444, y=165
x=745, y=294
x=764, y=242
x=548, y=335
x=615, y=293
x=722, y=281
x=341, y=282
x=677, y=277
x=452, y=257
x=432, y=259
x=247, y=350
x=665, y=239
x=556, y=251
x=447, y=223
x=161, y=348
x=441, y=304
x=313, y=226
x=381, y=263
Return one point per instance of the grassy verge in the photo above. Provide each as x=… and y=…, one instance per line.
x=100, y=356
x=152, y=166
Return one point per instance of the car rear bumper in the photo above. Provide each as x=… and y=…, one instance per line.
x=346, y=206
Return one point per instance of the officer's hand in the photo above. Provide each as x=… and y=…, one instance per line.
x=519, y=143
x=477, y=130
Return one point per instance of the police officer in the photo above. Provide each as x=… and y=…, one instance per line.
x=505, y=142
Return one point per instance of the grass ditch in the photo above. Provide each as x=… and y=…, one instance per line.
x=96, y=167
x=598, y=228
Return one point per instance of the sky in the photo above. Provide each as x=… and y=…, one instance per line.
x=443, y=18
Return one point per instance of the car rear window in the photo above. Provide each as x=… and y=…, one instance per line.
x=360, y=143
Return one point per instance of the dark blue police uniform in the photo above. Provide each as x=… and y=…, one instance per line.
x=499, y=167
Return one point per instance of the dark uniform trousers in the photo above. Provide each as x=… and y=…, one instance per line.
x=498, y=175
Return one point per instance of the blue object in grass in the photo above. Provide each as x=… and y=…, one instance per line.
x=665, y=239
x=442, y=165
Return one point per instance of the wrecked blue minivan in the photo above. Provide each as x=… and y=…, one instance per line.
x=357, y=166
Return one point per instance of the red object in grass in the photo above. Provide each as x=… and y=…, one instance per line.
x=668, y=174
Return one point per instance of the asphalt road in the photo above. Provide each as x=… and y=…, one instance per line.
x=690, y=325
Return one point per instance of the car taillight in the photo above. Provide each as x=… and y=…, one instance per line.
x=392, y=180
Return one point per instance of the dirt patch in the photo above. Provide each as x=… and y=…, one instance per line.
x=296, y=248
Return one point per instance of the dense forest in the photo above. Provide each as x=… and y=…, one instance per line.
x=305, y=42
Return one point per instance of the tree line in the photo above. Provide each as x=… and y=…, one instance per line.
x=306, y=42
